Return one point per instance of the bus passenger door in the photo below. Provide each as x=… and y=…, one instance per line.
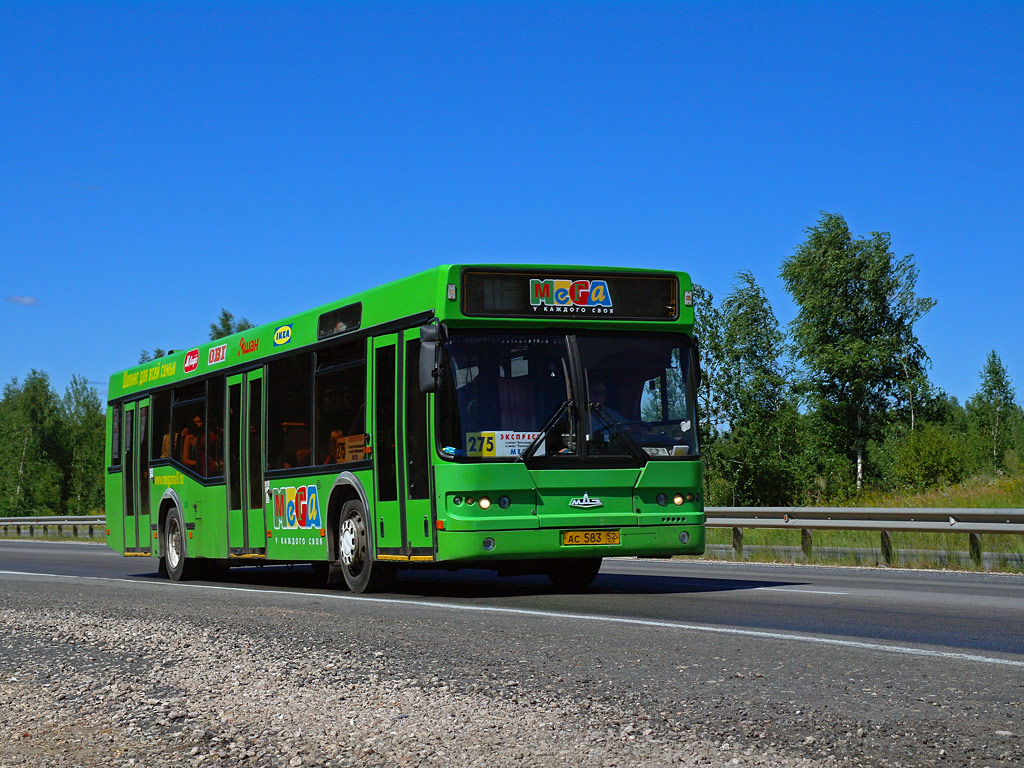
x=135, y=477
x=418, y=518
x=387, y=515
x=246, y=498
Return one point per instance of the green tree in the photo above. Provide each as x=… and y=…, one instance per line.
x=992, y=413
x=32, y=447
x=854, y=330
x=708, y=330
x=757, y=455
x=931, y=455
x=752, y=379
x=84, y=423
x=145, y=356
x=225, y=325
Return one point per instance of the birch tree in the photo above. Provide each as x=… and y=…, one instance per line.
x=854, y=330
x=992, y=413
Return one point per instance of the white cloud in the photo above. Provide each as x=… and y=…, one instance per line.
x=25, y=301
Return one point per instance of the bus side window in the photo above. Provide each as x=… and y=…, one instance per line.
x=289, y=412
x=340, y=403
x=188, y=427
x=161, y=448
x=115, y=436
x=215, y=428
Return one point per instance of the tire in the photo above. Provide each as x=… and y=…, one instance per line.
x=179, y=566
x=575, y=574
x=360, y=571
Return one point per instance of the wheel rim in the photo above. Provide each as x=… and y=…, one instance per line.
x=174, y=543
x=352, y=542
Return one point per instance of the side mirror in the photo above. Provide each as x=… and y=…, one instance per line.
x=429, y=336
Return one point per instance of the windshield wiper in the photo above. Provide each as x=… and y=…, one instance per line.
x=633, y=448
x=549, y=424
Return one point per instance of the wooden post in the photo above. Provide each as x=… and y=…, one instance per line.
x=737, y=542
x=887, y=553
x=806, y=542
x=975, y=544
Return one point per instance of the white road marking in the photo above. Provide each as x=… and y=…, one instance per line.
x=761, y=634
x=801, y=591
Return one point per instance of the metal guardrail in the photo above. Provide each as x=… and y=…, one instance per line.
x=91, y=526
x=973, y=522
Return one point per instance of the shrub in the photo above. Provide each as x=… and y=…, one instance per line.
x=928, y=457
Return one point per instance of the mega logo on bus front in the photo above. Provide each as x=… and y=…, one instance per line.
x=570, y=296
x=191, y=360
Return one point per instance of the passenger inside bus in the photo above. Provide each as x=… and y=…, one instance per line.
x=190, y=447
x=200, y=448
x=335, y=448
x=296, y=446
x=602, y=403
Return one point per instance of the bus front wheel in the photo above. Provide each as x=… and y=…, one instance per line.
x=362, y=573
x=573, y=574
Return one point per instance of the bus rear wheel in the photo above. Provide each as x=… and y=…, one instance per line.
x=179, y=566
x=361, y=572
x=575, y=574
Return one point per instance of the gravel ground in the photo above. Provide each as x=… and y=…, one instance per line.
x=92, y=680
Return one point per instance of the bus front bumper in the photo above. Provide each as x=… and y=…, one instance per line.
x=633, y=541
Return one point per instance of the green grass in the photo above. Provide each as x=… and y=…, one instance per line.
x=980, y=492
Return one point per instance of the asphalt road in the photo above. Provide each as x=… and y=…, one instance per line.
x=858, y=666
x=950, y=611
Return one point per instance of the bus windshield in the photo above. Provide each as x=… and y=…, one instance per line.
x=609, y=394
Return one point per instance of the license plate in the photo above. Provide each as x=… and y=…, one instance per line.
x=588, y=538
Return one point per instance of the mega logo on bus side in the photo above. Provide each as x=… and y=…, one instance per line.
x=297, y=508
x=566, y=293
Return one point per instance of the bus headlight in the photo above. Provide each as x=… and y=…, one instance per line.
x=678, y=499
x=504, y=502
x=662, y=499
x=484, y=503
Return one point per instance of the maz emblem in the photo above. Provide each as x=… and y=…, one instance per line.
x=586, y=503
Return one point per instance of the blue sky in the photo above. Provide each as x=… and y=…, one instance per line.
x=159, y=161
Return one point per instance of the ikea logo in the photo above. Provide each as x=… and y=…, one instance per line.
x=282, y=335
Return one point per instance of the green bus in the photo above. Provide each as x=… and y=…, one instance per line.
x=525, y=419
